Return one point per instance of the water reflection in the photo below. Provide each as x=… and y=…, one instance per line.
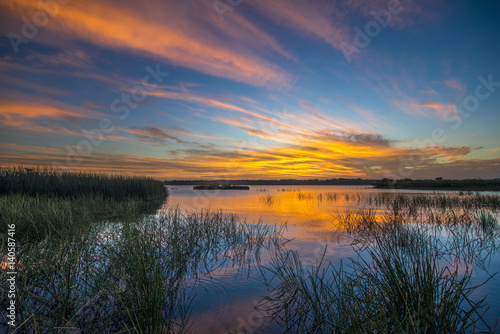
x=312, y=215
x=305, y=206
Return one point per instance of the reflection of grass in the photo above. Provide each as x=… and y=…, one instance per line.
x=269, y=200
x=331, y=197
x=411, y=275
x=97, y=261
x=304, y=196
x=133, y=276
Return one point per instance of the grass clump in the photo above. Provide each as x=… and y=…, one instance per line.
x=132, y=277
x=48, y=203
x=51, y=182
x=406, y=278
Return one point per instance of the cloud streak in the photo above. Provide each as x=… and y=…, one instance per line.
x=139, y=30
x=321, y=156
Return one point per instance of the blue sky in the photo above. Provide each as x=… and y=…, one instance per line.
x=252, y=89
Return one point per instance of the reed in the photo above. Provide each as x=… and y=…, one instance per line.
x=39, y=217
x=40, y=181
x=408, y=276
x=133, y=276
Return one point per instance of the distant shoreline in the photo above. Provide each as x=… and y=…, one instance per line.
x=440, y=184
x=425, y=184
x=287, y=182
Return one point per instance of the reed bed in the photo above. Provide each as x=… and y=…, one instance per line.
x=41, y=181
x=467, y=200
x=39, y=217
x=134, y=277
x=45, y=202
x=412, y=273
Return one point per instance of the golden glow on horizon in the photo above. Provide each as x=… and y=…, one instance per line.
x=191, y=130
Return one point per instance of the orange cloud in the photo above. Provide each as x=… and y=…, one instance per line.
x=318, y=18
x=213, y=103
x=442, y=110
x=455, y=84
x=26, y=115
x=319, y=156
x=141, y=29
x=429, y=109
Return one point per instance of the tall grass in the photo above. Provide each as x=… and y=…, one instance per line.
x=470, y=201
x=467, y=200
x=39, y=217
x=133, y=277
x=52, y=182
x=47, y=202
x=408, y=277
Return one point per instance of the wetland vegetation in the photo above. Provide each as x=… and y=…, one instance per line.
x=412, y=274
x=103, y=262
x=440, y=183
x=112, y=257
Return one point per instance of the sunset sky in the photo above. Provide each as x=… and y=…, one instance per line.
x=255, y=89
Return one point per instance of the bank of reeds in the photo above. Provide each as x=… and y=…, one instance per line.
x=39, y=217
x=444, y=201
x=133, y=277
x=41, y=181
x=47, y=202
x=410, y=276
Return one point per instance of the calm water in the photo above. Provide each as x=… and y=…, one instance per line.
x=225, y=300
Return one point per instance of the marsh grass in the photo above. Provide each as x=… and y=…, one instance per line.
x=134, y=276
x=93, y=256
x=391, y=288
x=39, y=181
x=45, y=202
x=40, y=217
x=412, y=272
x=411, y=201
x=469, y=201
x=269, y=200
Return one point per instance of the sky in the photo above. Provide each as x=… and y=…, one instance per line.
x=252, y=89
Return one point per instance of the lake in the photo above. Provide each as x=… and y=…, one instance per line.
x=225, y=299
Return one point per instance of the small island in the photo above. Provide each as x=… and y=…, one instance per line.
x=220, y=187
